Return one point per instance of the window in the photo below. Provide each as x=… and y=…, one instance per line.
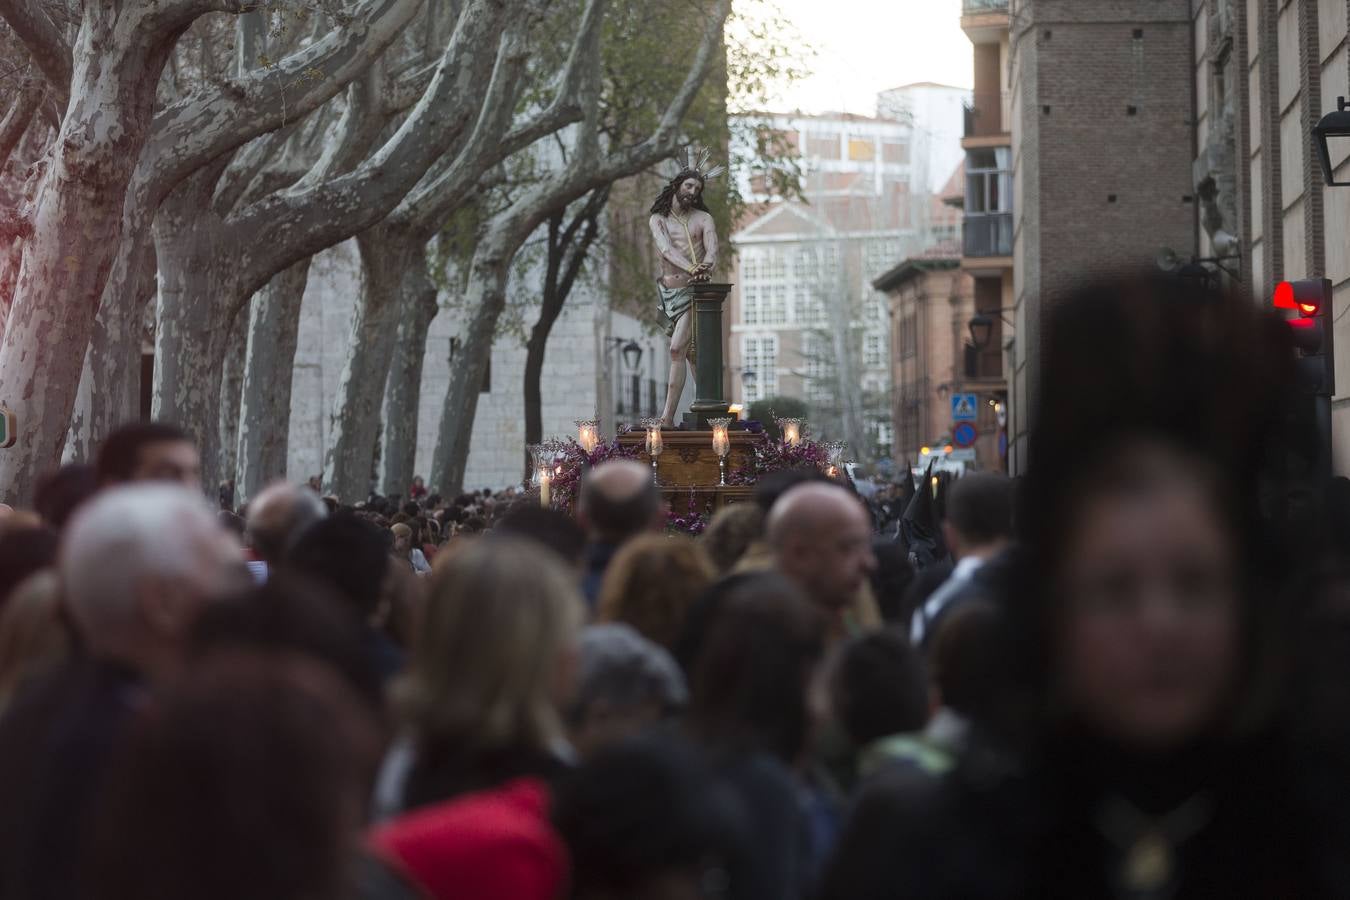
x=894, y=152
x=759, y=354
x=874, y=350
x=988, y=181
x=805, y=265
x=775, y=305
x=909, y=337
x=819, y=370
x=822, y=146
x=776, y=265
x=861, y=150
x=880, y=256
x=806, y=305
x=750, y=305
x=750, y=266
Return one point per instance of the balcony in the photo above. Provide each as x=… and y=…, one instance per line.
x=984, y=21
x=988, y=234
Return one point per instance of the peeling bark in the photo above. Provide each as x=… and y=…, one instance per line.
x=265, y=414
x=355, y=421
x=403, y=392
x=120, y=52
x=486, y=295
x=231, y=392
x=196, y=270
x=110, y=383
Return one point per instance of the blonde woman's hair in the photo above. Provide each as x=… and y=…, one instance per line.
x=498, y=615
x=650, y=584
x=33, y=636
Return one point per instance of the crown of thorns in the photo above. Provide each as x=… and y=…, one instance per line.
x=694, y=161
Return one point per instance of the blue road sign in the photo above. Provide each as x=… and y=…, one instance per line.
x=964, y=434
x=965, y=407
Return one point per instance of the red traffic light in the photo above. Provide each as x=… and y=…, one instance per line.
x=1309, y=296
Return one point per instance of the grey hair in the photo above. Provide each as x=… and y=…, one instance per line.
x=625, y=669
x=122, y=536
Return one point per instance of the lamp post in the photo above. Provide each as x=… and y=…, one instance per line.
x=1334, y=126
x=980, y=328
x=631, y=351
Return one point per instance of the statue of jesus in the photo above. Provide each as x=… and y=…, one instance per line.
x=686, y=238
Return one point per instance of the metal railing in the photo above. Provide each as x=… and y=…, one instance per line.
x=975, y=7
x=989, y=234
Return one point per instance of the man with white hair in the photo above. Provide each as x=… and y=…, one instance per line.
x=137, y=565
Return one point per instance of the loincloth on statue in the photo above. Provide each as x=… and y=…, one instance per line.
x=672, y=304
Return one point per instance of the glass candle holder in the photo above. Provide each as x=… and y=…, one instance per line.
x=721, y=442
x=792, y=429
x=655, y=443
x=588, y=434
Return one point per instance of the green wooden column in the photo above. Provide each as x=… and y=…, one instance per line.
x=710, y=399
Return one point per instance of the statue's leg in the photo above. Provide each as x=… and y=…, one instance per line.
x=679, y=352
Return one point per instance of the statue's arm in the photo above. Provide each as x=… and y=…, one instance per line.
x=709, y=243
x=666, y=248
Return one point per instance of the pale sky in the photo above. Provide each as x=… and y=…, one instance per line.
x=866, y=46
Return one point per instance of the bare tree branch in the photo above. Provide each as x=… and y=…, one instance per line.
x=214, y=121
x=16, y=121
x=431, y=203
x=50, y=52
x=301, y=223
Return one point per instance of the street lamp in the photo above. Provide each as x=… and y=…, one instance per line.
x=631, y=350
x=980, y=328
x=632, y=354
x=1332, y=125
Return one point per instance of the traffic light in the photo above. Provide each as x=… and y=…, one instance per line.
x=1313, y=332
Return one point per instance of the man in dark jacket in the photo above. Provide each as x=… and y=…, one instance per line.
x=137, y=566
x=618, y=502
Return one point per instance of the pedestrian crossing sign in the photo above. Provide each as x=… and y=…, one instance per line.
x=965, y=407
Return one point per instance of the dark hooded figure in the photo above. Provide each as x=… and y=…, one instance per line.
x=1145, y=631
x=919, y=527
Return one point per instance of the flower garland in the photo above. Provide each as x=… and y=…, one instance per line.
x=692, y=523
x=774, y=456
x=575, y=461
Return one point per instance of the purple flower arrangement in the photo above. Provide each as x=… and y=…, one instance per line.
x=773, y=456
x=575, y=461
x=691, y=523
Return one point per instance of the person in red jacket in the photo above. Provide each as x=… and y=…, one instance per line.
x=489, y=845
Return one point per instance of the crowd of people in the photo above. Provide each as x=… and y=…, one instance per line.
x=1122, y=675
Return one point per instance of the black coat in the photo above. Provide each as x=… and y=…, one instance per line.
x=992, y=830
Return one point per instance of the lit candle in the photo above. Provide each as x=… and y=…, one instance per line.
x=721, y=442
x=792, y=431
x=587, y=434
x=544, y=495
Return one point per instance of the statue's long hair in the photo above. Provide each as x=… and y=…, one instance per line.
x=666, y=199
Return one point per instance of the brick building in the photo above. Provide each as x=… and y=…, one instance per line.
x=1265, y=72
x=986, y=197
x=1101, y=106
x=932, y=299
